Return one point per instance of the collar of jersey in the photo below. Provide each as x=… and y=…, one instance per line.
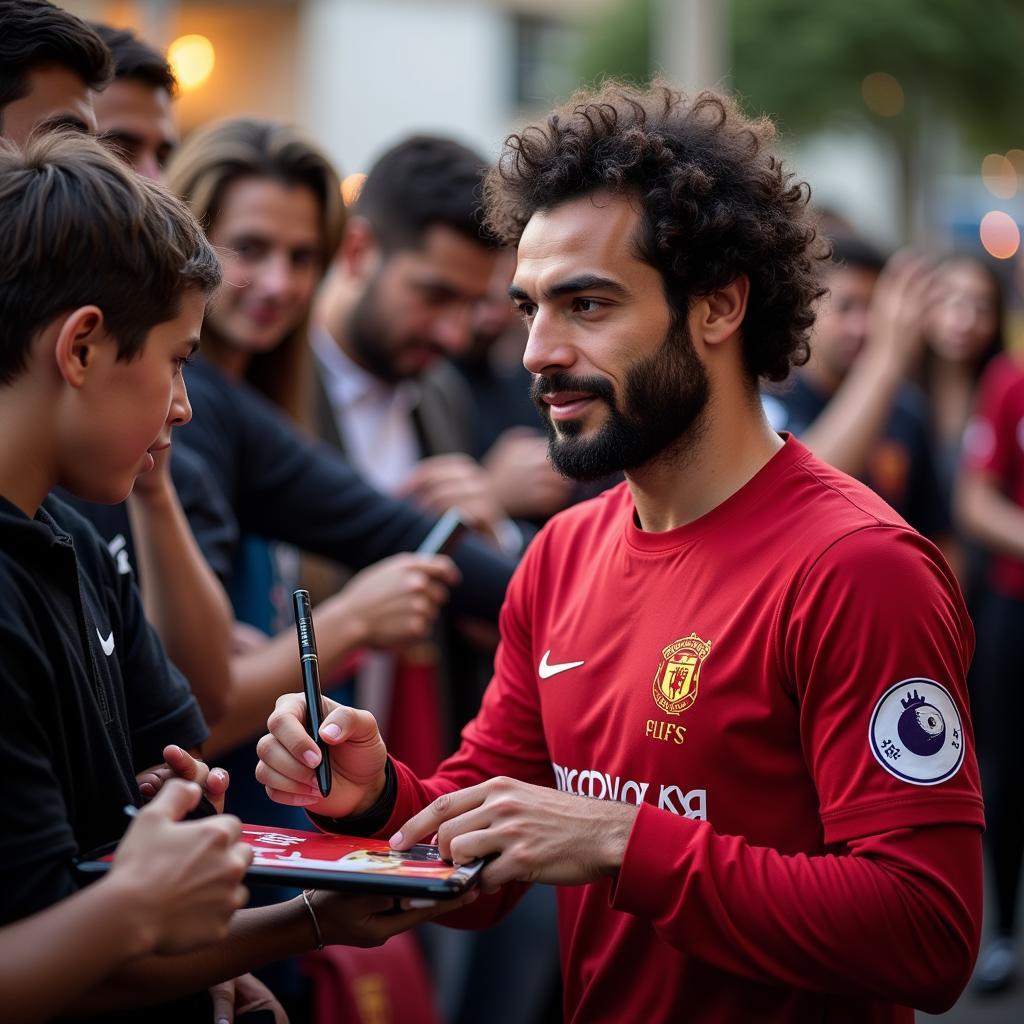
x=754, y=493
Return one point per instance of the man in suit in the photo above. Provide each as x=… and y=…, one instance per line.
x=399, y=300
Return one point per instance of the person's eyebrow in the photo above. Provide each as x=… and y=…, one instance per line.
x=571, y=286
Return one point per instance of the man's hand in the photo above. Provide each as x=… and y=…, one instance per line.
x=185, y=877
x=522, y=478
x=535, y=834
x=180, y=764
x=395, y=601
x=288, y=758
x=443, y=481
x=367, y=920
x=900, y=303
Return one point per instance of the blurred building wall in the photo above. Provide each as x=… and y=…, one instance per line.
x=372, y=72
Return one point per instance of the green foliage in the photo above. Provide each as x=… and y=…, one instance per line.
x=618, y=44
x=803, y=61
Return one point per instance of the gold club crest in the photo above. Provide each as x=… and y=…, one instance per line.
x=675, y=682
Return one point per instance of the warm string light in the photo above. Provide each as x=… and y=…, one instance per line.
x=191, y=58
x=351, y=186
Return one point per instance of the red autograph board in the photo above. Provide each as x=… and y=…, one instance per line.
x=323, y=860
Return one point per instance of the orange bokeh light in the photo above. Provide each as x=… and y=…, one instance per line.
x=999, y=234
x=883, y=94
x=191, y=58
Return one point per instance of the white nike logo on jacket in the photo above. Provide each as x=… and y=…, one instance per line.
x=107, y=644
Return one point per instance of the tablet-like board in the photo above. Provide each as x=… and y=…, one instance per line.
x=323, y=860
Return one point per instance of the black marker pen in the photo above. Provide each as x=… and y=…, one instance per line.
x=311, y=684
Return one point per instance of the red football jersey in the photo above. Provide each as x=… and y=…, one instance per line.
x=994, y=446
x=780, y=686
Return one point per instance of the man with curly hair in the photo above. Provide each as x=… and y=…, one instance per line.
x=728, y=716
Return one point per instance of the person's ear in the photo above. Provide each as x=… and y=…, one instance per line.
x=78, y=337
x=721, y=313
x=359, y=253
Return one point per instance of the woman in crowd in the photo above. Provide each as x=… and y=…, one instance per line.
x=964, y=332
x=271, y=204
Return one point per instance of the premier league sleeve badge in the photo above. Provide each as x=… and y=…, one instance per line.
x=916, y=733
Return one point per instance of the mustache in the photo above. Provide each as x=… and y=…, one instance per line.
x=596, y=386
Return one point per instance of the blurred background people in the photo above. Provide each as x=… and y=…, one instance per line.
x=853, y=403
x=133, y=110
x=990, y=501
x=401, y=300
x=506, y=434
x=964, y=332
x=272, y=206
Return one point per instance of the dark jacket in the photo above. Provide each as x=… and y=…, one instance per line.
x=88, y=700
x=282, y=486
x=206, y=509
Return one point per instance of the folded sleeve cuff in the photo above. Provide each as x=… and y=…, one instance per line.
x=657, y=843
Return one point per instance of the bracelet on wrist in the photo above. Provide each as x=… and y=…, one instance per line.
x=312, y=914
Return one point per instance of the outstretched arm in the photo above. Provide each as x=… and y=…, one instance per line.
x=388, y=605
x=183, y=599
x=853, y=420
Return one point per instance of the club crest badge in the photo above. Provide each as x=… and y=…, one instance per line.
x=675, y=682
x=916, y=733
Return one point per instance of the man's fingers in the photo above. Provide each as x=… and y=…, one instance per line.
x=279, y=767
x=281, y=796
x=474, y=821
x=270, y=776
x=223, y=998
x=287, y=725
x=175, y=799
x=185, y=766
x=440, y=567
x=345, y=724
x=430, y=819
x=227, y=824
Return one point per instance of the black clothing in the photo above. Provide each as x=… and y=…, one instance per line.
x=997, y=703
x=88, y=700
x=501, y=400
x=285, y=487
x=900, y=466
x=206, y=509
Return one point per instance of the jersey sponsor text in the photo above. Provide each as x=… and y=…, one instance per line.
x=603, y=786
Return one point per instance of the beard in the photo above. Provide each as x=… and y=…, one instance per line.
x=369, y=333
x=663, y=400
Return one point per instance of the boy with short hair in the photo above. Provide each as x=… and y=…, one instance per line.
x=104, y=279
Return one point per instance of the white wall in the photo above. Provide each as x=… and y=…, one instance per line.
x=371, y=73
x=856, y=175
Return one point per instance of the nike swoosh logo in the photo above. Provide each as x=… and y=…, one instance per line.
x=108, y=644
x=546, y=671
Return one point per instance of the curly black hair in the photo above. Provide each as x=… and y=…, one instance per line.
x=715, y=202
